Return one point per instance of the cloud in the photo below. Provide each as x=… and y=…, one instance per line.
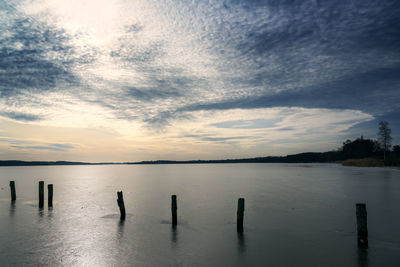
x=19, y=116
x=34, y=56
x=362, y=92
x=35, y=145
x=50, y=148
x=247, y=124
x=150, y=65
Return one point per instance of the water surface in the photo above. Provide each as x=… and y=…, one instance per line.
x=295, y=215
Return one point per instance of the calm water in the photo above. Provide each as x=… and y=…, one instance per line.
x=296, y=215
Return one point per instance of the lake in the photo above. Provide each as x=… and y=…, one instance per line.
x=295, y=215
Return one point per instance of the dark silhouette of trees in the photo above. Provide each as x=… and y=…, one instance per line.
x=384, y=137
x=359, y=148
x=396, y=150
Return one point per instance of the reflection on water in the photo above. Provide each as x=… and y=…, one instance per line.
x=174, y=234
x=12, y=208
x=41, y=212
x=121, y=225
x=362, y=257
x=50, y=213
x=241, y=243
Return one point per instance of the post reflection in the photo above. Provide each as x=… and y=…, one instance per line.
x=41, y=212
x=241, y=242
x=12, y=208
x=362, y=257
x=174, y=235
x=50, y=214
x=121, y=227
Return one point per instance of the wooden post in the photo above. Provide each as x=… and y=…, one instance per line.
x=121, y=205
x=240, y=215
x=50, y=195
x=41, y=194
x=13, y=194
x=174, y=208
x=362, y=229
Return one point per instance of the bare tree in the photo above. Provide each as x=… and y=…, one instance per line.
x=384, y=137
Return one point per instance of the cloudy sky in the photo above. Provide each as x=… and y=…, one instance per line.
x=130, y=80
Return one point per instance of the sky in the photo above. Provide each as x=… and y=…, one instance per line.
x=132, y=80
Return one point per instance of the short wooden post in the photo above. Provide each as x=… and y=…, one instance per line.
x=50, y=195
x=41, y=194
x=362, y=229
x=12, y=188
x=174, y=208
x=240, y=215
x=121, y=205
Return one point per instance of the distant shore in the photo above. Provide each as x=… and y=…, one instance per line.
x=309, y=157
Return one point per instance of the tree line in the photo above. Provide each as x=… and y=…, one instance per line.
x=370, y=148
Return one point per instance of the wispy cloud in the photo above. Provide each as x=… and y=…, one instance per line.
x=49, y=147
x=34, y=145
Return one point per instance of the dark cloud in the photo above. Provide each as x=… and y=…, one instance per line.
x=51, y=147
x=306, y=42
x=13, y=141
x=20, y=116
x=33, y=56
x=212, y=138
x=26, y=144
x=336, y=27
x=285, y=129
x=376, y=92
x=62, y=146
x=161, y=119
x=162, y=84
x=151, y=94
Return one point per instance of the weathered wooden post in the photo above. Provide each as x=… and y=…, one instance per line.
x=240, y=215
x=50, y=195
x=12, y=188
x=174, y=208
x=41, y=194
x=362, y=229
x=121, y=205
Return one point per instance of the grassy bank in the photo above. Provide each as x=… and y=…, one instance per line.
x=366, y=162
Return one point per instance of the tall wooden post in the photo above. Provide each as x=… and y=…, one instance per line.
x=50, y=195
x=41, y=194
x=174, y=208
x=121, y=205
x=12, y=188
x=240, y=215
x=362, y=229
